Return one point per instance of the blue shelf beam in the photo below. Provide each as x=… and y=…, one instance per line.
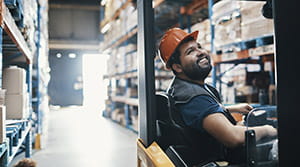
x=18, y=133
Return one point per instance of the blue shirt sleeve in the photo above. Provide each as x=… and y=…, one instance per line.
x=197, y=109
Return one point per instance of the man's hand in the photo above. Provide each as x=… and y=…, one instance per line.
x=243, y=108
x=270, y=130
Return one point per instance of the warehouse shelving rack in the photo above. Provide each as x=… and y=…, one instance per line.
x=127, y=75
x=187, y=9
x=40, y=82
x=15, y=51
x=261, y=47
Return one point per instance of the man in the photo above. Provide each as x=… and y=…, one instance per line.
x=198, y=103
x=26, y=162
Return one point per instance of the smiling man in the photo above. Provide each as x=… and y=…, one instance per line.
x=199, y=104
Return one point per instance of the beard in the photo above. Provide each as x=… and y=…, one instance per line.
x=196, y=72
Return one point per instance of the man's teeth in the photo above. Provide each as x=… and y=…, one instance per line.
x=203, y=60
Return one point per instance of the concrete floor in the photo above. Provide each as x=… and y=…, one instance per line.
x=78, y=138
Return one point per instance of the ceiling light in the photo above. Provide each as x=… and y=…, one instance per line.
x=72, y=55
x=103, y=2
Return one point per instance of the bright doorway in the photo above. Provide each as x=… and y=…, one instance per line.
x=94, y=87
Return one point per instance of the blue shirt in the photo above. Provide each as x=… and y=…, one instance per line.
x=197, y=109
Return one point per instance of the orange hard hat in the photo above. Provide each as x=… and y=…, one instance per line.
x=171, y=40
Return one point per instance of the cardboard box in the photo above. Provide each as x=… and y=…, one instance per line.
x=132, y=92
x=2, y=123
x=228, y=31
x=2, y=96
x=251, y=10
x=257, y=28
x=135, y=122
x=16, y=106
x=14, y=80
x=225, y=6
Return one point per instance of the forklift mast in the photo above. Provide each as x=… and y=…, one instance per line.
x=146, y=88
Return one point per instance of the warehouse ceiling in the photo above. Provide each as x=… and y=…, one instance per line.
x=76, y=2
x=167, y=14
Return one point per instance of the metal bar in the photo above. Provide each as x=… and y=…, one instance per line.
x=29, y=78
x=1, y=55
x=38, y=46
x=158, y=30
x=146, y=53
x=287, y=68
x=180, y=20
x=4, y=156
x=28, y=145
x=76, y=45
x=11, y=57
x=189, y=23
x=212, y=30
x=2, y=6
x=14, y=150
x=101, y=16
x=77, y=7
x=116, y=14
x=122, y=39
x=250, y=148
x=229, y=69
x=194, y=6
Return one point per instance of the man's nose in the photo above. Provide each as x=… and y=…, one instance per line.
x=200, y=52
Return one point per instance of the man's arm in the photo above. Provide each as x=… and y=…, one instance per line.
x=241, y=108
x=231, y=135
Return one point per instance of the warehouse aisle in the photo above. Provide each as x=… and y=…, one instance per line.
x=79, y=138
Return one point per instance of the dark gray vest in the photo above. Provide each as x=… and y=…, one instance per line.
x=182, y=92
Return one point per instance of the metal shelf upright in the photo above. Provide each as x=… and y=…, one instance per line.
x=15, y=51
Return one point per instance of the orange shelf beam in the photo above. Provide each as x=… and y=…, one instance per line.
x=193, y=6
x=259, y=51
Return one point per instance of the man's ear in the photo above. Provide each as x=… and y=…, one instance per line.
x=177, y=68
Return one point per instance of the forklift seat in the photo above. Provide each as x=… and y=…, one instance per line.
x=167, y=132
x=173, y=138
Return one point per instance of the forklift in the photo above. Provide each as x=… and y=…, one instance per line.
x=160, y=137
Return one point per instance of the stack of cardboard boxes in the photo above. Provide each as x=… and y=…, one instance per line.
x=227, y=20
x=253, y=23
x=204, y=35
x=237, y=21
x=16, y=98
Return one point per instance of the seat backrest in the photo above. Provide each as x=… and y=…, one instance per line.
x=168, y=133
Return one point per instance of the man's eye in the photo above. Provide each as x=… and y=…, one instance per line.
x=190, y=51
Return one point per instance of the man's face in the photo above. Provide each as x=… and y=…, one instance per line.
x=195, y=60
